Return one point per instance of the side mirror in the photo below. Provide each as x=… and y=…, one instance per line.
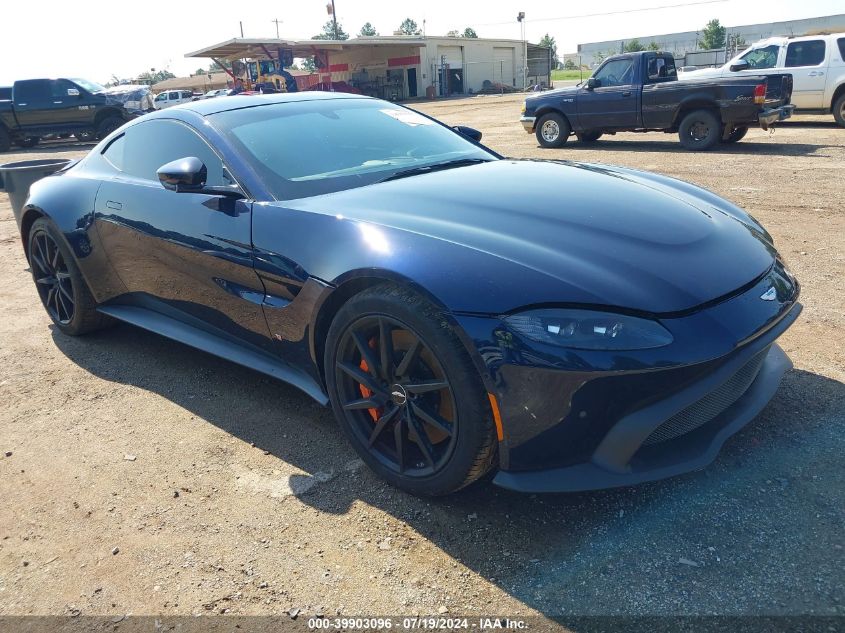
x=72, y=92
x=740, y=65
x=593, y=83
x=188, y=175
x=469, y=132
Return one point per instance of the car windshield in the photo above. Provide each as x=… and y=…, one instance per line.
x=90, y=86
x=309, y=148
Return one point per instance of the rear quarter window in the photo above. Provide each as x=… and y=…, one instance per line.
x=841, y=42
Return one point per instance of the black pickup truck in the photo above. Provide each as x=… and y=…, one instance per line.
x=34, y=108
x=640, y=92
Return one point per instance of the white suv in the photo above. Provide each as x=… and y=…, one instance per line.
x=172, y=98
x=816, y=63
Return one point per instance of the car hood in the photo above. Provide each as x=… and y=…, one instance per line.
x=557, y=91
x=578, y=232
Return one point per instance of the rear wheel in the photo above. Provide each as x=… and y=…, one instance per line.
x=62, y=290
x=736, y=135
x=85, y=136
x=406, y=393
x=839, y=110
x=699, y=130
x=552, y=130
x=590, y=136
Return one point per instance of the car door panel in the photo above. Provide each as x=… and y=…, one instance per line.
x=187, y=254
x=806, y=62
x=613, y=104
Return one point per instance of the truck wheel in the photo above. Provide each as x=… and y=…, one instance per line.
x=552, y=130
x=589, y=137
x=5, y=140
x=737, y=135
x=839, y=110
x=699, y=130
x=107, y=126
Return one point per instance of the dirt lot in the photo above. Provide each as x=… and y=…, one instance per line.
x=139, y=476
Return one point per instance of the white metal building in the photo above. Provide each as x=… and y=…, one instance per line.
x=399, y=67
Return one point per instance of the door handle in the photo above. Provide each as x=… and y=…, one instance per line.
x=116, y=206
x=22, y=104
x=58, y=102
x=626, y=93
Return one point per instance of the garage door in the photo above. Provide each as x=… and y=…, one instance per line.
x=454, y=56
x=503, y=65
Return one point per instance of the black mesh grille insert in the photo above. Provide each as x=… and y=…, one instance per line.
x=711, y=405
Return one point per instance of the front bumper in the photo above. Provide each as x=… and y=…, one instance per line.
x=771, y=116
x=623, y=459
x=528, y=123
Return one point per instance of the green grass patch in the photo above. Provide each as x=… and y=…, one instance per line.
x=569, y=75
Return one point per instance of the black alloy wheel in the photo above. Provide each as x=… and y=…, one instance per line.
x=406, y=392
x=396, y=396
x=52, y=277
x=60, y=285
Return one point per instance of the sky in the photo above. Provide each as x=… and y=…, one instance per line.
x=97, y=40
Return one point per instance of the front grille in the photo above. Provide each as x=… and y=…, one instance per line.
x=711, y=405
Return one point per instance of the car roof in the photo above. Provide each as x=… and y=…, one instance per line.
x=237, y=102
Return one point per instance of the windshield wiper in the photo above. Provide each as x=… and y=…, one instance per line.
x=426, y=169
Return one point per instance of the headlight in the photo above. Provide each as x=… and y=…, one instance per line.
x=587, y=329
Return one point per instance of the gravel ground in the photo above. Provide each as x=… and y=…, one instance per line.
x=140, y=476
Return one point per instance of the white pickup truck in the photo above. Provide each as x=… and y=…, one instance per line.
x=816, y=63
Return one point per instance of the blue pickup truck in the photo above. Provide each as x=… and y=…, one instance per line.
x=640, y=92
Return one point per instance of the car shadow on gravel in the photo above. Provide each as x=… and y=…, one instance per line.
x=756, y=532
x=767, y=149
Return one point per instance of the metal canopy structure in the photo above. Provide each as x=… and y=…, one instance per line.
x=242, y=48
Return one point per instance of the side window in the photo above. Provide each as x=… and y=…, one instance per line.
x=114, y=152
x=59, y=88
x=805, y=53
x=162, y=96
x=187, y=95
x=762, y=57
x=32, y=91
x=172, y=95
x=619, y=72
x=841, y=42
x=152, y=144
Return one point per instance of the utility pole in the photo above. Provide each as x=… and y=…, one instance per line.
x=242, y=29
x=330, y=9
x=278, y=22
x=521, y=19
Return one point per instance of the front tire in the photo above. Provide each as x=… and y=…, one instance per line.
x=552, y=130
x=699, y=130
x=108, y=125
x=63, y=291
x=839, y=110
x=406, y=393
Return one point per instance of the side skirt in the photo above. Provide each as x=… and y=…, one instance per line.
x=241, y=354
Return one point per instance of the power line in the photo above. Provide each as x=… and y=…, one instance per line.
x=619, y=12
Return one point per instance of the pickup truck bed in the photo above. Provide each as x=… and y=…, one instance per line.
x=640, y=92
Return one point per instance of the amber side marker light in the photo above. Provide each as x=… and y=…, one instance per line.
x=497, y=418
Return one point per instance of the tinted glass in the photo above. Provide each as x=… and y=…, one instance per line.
x=151, y=144
x=114, y=152
x=808, y=53
x=662, y=67
x=32, y=91
x=841, y=42
x=161, y=97
x=619, y=72
x=309, y=148
x=59, y=88
x=766, y=57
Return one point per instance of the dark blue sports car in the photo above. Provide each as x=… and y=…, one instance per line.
x=570, y=326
